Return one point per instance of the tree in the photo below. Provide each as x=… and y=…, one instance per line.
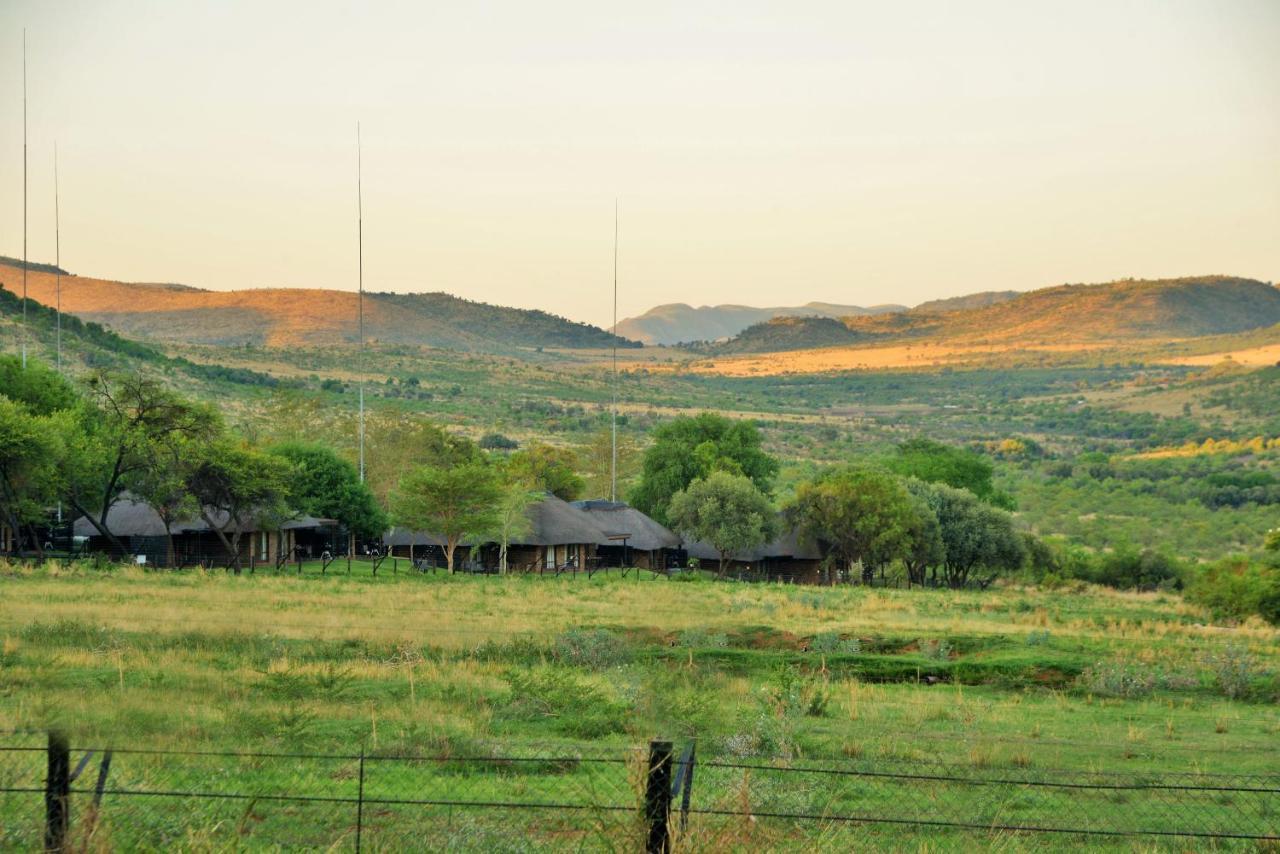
x=326, y=486
x=925, y=549
x=595, y=461
x=395, y=442
x=129, y=427
x=546, y=468
x=512, y=518
x=38, y=387
x=935, y=462
x=690, y=448
x=726, y=510
x=974, y=536
x=453, y=502
x=238, y=489
x=860, y=514
x=30, y=480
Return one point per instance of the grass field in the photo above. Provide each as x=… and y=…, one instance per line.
x=1008, y=683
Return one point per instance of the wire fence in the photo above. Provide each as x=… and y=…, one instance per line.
x=654, y=798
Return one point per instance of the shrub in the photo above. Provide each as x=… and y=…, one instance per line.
x=702, y=639
x=1234, y=670
x=1118, y=679
x=831, y=642
x=594, y=649
x=1145, y=570
x=576, y=707
x=1235, y=588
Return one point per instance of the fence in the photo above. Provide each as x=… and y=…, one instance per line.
x=53, y=797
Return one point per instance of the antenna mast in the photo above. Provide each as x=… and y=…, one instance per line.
x=613, y=466
x=360, y=275
x=57, y=256
x=24, y=198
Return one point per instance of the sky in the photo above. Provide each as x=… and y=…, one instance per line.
x=758, y=153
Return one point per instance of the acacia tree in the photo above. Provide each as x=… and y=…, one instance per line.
x=726, y=510
x=689, y=448
x=121, y=437
x=595, y=461
x=860, y=514
x=239, y=488
x=512, y=518
x=453, y=502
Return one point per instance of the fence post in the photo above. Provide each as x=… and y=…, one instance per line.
x=57, y=792
x=657, y=797
x=360, y=803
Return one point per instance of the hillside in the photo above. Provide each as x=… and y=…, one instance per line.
x=788, y=333
x=978, y=300
x=1113, y=313
x=679, y=323
x=280, y=317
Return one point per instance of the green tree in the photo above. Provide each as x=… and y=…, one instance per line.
x=128, y=428
x=926, y=549
x=453, y=502
x=30, y=477
x=239, y=489
x=325, y=485
x=860, y=513
x=41, y=389
x=512, y=518
x=726, y=510
x=689, y=448
x=595, y=461
x=935, y=462
x=546, y=468
x=974, y=536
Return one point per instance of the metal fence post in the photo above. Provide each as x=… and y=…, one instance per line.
x=657, y=797
x=360, y=803
x=57, y=792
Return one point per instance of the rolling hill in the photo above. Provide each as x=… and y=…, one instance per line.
x=280, y=317
x=678, y=323
x=1112, y=313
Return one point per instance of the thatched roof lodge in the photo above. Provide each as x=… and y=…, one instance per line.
x=142, y=531
x=630, y=537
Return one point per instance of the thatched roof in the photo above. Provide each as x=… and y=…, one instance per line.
x=552, y=522
x=129, y=517
x=789, y=545
x=617, y=519
x=557, y=522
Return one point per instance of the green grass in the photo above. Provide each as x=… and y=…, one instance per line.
x=1009, y=683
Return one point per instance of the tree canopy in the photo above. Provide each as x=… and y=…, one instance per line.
x=935, y=462
x=546, y=468
x=726, y=510
x=860, y=513
x=324, y=485
x=689, y=448
x=454, y=502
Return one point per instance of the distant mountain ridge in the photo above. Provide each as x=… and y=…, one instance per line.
x=1110, y=312
x=301, y=316
x=678, y=323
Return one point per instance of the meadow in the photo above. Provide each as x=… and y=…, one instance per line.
x=576, y=673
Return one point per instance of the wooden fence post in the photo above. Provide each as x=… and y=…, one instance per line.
x=657, y=797
x=57, y=792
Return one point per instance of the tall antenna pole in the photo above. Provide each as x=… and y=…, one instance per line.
x=24, y=198
x=57, y=256
x=613, y=467
x=360, y=274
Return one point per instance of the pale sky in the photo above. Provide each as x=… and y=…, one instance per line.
x=762, y=153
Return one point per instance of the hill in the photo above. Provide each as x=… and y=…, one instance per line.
x=789, y=333
x=679, y=323
x=280, y=317
x=1112, y=313
x=978, y=300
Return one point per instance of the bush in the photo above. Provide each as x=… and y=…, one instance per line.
x=1116, y=679
x=1145, y=570
x=1236, y=587
x=1234, y=670
x=831, y=642
x=576, y=708
x=594, y=649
